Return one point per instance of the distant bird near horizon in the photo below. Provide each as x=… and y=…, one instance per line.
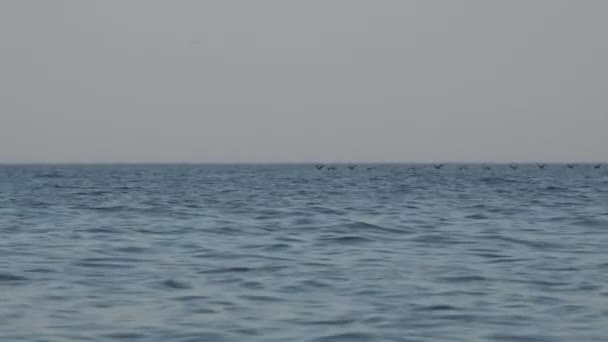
x=513, y=166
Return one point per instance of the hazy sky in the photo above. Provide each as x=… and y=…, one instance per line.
x=307, y=80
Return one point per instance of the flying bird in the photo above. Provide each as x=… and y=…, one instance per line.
x=438, y=166
x=570, y=166
x=597, y=166
x=541, y=166
x=320, y=166
x=352, y=167
x=513, y=166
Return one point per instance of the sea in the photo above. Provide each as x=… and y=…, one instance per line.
x=386, y=252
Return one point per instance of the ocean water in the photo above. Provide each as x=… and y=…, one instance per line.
x=291, y=253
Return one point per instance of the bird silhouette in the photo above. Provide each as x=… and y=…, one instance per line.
x=513, y=166
x=487, y=167
x=320, y=166
x=597, y=166
x=541, y=166
x=570, y=166
x=438, y=166
x=352, y=167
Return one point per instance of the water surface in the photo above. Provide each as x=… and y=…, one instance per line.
x=291, y=253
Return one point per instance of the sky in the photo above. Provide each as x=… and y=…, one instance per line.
x=300, y=81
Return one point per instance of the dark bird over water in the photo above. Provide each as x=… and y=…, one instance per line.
x=320, y=166
x=597, y=166
x=352, y=167
x=570, y=166
x=513, y=166
x=541, y=166
x=438, y=166
x=487, y=167
x=332, y=168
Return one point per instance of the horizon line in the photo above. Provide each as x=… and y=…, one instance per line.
x=286, y=162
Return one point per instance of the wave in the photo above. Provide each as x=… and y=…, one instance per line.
x=7, y=277
x=347, y=239
x=498, y=180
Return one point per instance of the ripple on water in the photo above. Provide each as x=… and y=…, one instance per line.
x=345, y=240
x=40, y=270
x=241, y=269
x=11, y=278
x=438, y=307
x=107, y=263
x=463, y=279
x=331, y=322
x=176, y=284
x=346, y=337
x=540, y=244
x=125, y=336
x=512, y=337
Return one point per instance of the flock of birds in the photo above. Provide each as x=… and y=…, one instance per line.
x=440, y=166
x=333, y=168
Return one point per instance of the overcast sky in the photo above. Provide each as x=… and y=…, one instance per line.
x=308, y=80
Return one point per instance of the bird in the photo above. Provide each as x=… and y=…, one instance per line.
x=352, y=167
x=597, y=166
x=513, y=166
x=320, y=166
x=438, y=166
x=570, y=166
x=487, y=167
x=332, y=168
x=541, y=166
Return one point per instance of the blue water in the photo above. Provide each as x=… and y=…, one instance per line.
x=290, y=253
